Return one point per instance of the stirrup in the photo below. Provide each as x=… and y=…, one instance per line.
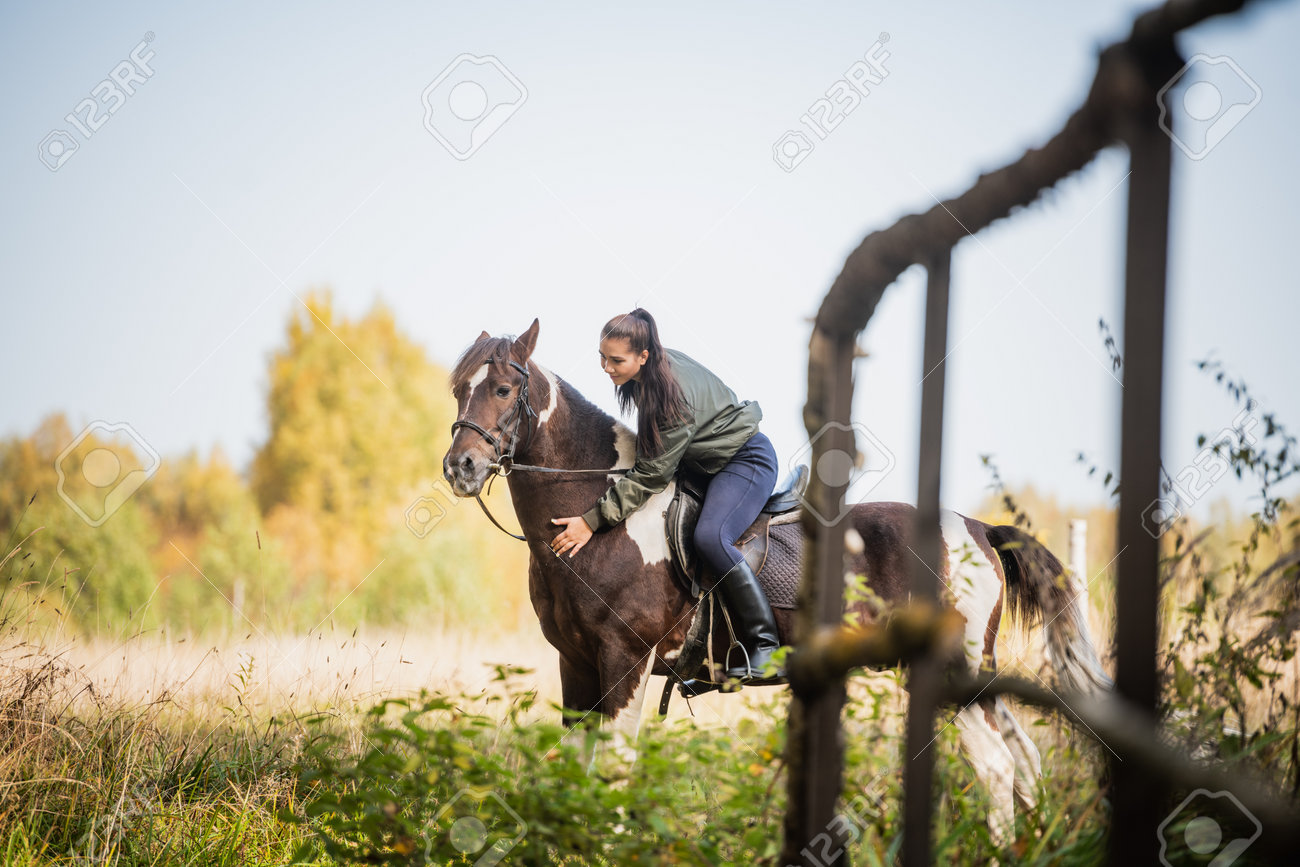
x=753, y=676
x=748, y=677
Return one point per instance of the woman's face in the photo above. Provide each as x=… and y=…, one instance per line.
x=619, y=361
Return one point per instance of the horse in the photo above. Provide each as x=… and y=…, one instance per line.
x=617, y=615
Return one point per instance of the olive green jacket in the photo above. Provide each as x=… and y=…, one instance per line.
x=719, y=425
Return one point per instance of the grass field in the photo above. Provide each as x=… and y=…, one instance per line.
x=166, y=750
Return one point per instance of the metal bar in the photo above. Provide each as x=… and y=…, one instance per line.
x=815, y=754
x=1139, y=796
x=1128, y=731
x=924, y=680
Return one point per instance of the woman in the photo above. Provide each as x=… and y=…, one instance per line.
x=688, y=418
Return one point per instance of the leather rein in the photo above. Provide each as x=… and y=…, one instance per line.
x=503, y=463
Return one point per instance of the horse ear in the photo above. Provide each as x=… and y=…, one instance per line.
x=524, y=343
x=483, y=336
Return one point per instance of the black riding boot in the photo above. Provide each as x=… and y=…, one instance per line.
x=752, y=620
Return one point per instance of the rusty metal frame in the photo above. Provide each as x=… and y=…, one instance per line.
x=1120, y=108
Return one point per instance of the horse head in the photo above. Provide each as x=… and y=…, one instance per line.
x=494, y=416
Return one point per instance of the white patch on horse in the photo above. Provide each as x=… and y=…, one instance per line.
x=994, y=764
x=645, y=526
x=555, y=395
x=627, y=722
x=582, y=742
x=853, y=541
x=625, y=445
x=974, y=582
x=476, y=380
x=1029, y=766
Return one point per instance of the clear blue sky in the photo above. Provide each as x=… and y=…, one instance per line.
x=286, y=143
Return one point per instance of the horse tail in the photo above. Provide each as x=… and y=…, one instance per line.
x=1040, y=588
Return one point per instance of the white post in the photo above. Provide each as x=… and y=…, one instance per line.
x=1079, y=548
x=1079, y=563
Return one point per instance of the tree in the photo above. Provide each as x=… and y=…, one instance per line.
x=65, y=568
x=360, y=420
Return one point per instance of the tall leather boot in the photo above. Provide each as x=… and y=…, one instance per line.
x=753, y=621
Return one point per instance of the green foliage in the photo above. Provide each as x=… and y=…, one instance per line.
x=443, y=779
x=1229, y=653
x=427, y=769
x=359, y=421
x=64, y=568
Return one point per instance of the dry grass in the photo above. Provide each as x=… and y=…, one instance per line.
x=261, y=676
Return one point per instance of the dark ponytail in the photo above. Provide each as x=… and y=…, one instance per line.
x=656, y=395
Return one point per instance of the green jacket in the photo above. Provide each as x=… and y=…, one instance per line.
x=719, y=425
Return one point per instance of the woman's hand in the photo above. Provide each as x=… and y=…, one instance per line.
x=574, y=536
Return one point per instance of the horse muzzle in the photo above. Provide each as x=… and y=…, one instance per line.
x=465, y=472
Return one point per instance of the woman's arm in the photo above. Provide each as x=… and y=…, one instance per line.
x=648, y=476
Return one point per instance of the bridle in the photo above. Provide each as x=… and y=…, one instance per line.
x=504, y=455
x=503, y=447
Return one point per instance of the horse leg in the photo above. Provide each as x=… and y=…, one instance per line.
x=580, y=694
x=976, y=584
x=1029, y=767
x=994, y=765
x=625, y=691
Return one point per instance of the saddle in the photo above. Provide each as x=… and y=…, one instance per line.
x=684, y=512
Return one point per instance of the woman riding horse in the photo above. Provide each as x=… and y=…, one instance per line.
x=687, y=418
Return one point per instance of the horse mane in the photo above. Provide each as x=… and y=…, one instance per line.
x=582, y=408
x=496, y=350
x=493, y=349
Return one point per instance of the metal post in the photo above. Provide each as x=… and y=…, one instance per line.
x=815, y=751
x=925, y=674
x=1138, y=798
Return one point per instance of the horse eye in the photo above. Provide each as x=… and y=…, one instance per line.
x=503, y=391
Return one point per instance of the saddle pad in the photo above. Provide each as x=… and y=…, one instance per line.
x=782, y=571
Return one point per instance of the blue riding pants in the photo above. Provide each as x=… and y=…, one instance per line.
x=735, y=497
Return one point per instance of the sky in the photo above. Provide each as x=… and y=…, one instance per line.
x=474, y=166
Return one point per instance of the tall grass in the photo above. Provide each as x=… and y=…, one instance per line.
x=360, y=746
x=163, y=749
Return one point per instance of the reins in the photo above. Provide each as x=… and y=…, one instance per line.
x=504, y=463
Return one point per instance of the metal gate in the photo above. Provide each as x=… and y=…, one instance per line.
x=1121, y=108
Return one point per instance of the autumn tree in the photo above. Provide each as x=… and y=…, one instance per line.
x=63, y=568
x=359, y=422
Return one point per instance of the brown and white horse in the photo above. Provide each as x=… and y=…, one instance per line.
x=617, y=616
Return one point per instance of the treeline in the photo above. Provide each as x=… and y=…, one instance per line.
x=341, y=515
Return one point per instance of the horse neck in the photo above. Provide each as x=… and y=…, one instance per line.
x=570, y=433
